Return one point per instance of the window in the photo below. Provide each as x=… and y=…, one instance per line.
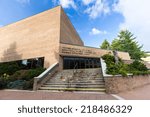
x=33, y=63
x=80, y=63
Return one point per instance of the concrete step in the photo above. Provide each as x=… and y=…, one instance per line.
x=98, y=79
x=76, y=80
x=75, y=86
x=88, y=77
x=75, y=83
x=74, y=89
x=88, y=81
x=82, y=80
x=80, y=76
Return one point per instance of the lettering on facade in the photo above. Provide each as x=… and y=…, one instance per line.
x=77, y=51
x=66, y=50
x=87, y=52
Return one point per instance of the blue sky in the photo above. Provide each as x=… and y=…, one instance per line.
x=95, y=20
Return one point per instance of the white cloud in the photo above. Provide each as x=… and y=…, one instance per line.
x=67, y=3
x=23, y=1
x=136, y=19
x=54, y=1
x=87, y=2
x=96, y=31
x=1, y=25
x=98, y=8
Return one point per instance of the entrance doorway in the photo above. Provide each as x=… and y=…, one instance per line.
x=80, y=63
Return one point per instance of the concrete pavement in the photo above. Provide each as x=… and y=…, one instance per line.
x=141, y=93
x=48, y=95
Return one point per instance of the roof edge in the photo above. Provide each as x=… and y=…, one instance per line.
x=59, y=6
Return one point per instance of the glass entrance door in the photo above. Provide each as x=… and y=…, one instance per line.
x=80, y=63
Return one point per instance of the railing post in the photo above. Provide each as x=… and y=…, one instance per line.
x=74, y=72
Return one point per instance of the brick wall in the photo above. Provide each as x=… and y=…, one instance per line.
x=68, y=33
x=120, y=84
x=36, y=36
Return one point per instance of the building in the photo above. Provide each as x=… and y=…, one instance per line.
x=147, y=60
x=47, y=38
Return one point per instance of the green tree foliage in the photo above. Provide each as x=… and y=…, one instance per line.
x=105, y=45
x=112, y=67
x=126, y=42
x=136, y=68
x=22, y=79
x=9, y=68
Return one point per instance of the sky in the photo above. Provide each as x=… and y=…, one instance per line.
x=94, y=20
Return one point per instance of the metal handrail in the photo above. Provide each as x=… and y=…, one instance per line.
x=74, y=71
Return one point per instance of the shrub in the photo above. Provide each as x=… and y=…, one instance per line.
x=18, y=84
x=9, y=68
x=112, y=67
x=4, y=79
x=28, y=84
x=3, y=83
x=108, y=58
x=137, y=66
x=33, y=73
x=26, y=74
x=141, y=72
x=22, y=79
x=123, y=72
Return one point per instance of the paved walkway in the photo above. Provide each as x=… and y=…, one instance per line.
x=141, y=93
x=47, y=95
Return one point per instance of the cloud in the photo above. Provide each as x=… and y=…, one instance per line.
x=55, y=2
x=68, y=4
x=96, y=31
x=136, y=19
x=94, y=8
x=87, y=2
x=23, y=1
x=98, y=8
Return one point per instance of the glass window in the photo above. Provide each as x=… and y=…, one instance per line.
x=80, y=63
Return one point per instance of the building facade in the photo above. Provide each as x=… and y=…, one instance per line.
x=49, y=36
x=147, y=60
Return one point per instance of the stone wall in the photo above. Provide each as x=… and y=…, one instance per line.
x=120, y=84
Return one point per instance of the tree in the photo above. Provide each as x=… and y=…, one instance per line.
x=105, y=45
x=126, y=42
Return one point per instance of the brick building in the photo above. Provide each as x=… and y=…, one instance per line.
x=48, y=35
x=47, y=38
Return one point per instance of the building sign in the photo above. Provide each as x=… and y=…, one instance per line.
x=76, y=51
x=83, y=51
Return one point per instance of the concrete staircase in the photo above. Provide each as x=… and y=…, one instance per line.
x=76, y=80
